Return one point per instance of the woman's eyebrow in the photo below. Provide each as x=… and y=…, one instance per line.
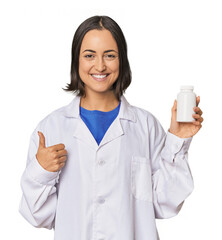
x=89, y=50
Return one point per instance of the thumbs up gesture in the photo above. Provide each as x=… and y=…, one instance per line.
x=51, y=158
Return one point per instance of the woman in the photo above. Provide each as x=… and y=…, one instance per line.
x=100, y=168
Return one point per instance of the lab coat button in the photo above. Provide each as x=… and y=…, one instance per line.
x=102, y=162
x=101, y=200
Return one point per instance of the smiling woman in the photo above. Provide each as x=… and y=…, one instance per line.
x=99, y=167
x=99, y=47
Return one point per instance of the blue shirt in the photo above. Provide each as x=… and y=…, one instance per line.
x=98, y=122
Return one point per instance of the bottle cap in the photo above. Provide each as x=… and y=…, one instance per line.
x=186, y=87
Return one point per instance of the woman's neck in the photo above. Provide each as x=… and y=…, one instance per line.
x=102, y=102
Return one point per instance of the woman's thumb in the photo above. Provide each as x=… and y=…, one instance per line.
x=174, y=110
x=41, y=140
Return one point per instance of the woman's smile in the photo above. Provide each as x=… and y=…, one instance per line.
x=100, y=77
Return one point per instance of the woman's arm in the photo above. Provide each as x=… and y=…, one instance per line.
x=171, y=175
x=39, y=199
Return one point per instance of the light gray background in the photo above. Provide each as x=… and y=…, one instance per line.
x=170, y=43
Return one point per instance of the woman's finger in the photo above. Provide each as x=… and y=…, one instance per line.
x=61, y=153
x=198, y=117
x=198, y=100
x=198, y=110
x=197, y=123
x=62, y=159
x=174, y=110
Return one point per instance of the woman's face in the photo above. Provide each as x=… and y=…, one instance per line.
x=98, y=61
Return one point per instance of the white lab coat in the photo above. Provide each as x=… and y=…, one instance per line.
x=113, y=191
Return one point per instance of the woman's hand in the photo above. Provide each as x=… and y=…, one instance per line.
x=51, y=158
x=183, y=129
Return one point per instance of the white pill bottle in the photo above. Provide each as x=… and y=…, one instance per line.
x=186, y=101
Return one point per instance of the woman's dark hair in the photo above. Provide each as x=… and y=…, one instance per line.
x=100, y=23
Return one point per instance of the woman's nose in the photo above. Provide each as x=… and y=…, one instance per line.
x=100, y=64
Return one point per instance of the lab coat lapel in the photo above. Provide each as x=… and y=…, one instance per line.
x=80, y=130
x=115, y=130
x=82, y=133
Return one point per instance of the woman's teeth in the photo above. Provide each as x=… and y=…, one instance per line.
x=99, y=76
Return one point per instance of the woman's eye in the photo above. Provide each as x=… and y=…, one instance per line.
x=89, y=56
x=110, y=56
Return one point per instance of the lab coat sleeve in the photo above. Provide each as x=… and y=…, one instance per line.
x=39, y=199
x=171, y=176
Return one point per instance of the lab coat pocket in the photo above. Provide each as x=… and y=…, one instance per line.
x=141, y=178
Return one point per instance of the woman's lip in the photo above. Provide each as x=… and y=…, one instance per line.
x=100, y=79
x=99, y=74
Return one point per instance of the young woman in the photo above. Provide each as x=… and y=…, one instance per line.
x=100, y=168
